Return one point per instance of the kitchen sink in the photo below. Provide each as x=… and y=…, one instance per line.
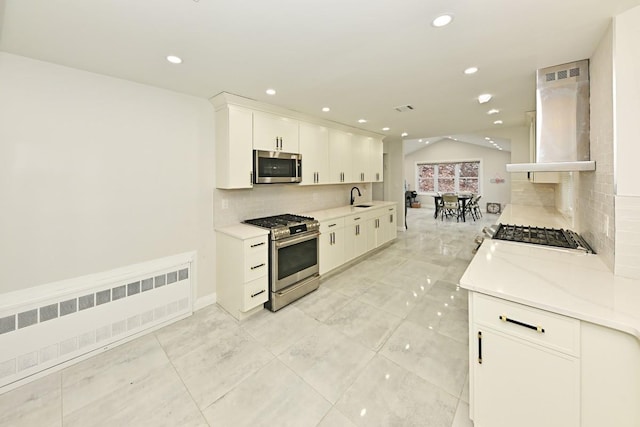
x=362, y=206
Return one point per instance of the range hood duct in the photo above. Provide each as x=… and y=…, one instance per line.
x=562, y=120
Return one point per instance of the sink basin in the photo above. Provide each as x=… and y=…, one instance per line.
x=362, y=206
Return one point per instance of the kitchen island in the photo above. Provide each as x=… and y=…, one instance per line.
x=591, y=325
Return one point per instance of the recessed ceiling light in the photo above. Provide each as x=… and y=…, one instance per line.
x=493, y=111
x=442, y=20
x=326, y=109
x=420, y=140
x=497, y=122
x=271, y=91
x=404, y=134
x=174, y=59
x=385, y=129
x=487, y=138
x=362, y=121
x=485, y=97
x=471, y=70
x=500, y=148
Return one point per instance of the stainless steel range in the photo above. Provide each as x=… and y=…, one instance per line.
x=293, y=257
x=555, y=237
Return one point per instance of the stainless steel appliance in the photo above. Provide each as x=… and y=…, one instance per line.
x=554, y=237
x=562, y=120
x=293, y=257
x=275, y=167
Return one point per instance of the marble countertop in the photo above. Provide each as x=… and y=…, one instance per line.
x=243, y=231
x=573, y=284
x=328, y=214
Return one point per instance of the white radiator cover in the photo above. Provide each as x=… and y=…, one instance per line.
x=49, y=325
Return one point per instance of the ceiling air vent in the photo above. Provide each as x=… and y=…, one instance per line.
x=403, y=108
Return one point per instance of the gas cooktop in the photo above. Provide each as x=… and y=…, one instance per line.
x=285, y=225
x=555, y=237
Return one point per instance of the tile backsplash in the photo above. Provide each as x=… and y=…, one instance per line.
x=529, y=194
x=234, y=206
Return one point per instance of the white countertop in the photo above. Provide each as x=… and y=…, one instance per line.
x=243, y=231
x=328, y=214
x=569, y=283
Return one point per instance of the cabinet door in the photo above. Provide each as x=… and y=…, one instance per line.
x=360, y=157
x=522, y=384
x=331, y=249
x=390, y=230
x=375, y=160
x=339, y=156
x=314, y=147
x=275, y=133
x=376, y=231
x=355, y=238
x=234, y=163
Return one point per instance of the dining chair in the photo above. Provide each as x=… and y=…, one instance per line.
x=450, y=206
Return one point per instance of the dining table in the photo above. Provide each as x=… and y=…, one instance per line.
x=463, y=198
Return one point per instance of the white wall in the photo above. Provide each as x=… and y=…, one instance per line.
x=626, y=69
x=492, y=165
x=98, y=173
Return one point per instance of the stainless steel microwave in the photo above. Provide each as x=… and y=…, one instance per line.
x=274, y=167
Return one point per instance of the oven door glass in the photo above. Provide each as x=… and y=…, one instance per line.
x=294, y=262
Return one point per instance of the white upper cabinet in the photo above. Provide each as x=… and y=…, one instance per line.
x=360, y=158
x=234, y=163
x=314, y=147
x=340, y=156
x=375, y=160
x=275, y=133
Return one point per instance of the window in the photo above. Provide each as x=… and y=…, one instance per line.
x=448, y=177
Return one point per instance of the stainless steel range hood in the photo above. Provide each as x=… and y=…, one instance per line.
x=562, y=120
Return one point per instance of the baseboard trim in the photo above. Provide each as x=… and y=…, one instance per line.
x=204, y=301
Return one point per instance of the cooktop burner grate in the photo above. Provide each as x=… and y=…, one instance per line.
x=283, y=220
x=556, y=237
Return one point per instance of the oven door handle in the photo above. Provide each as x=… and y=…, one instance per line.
x=295, y=240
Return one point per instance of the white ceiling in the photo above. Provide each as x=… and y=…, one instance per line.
x=502, y=144
x=359, y=57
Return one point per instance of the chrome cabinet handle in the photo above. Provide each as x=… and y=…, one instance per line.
x=258, y=293
x=258, y=266
x=331, y=225
x=480, y=347
x=250, y=177
x=525, y=325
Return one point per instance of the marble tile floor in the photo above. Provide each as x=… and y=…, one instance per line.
x=381, y=343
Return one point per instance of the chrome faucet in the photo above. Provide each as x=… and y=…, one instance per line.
x=353, y=199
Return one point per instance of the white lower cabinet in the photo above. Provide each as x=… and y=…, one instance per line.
x=355, y=236
x=242, y=281
x=331, y=244
x=524, y=366
x=351, y=236
x=382, y=227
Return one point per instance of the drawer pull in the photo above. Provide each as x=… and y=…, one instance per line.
x=258, y=266
x=257, y=244
x=480, y=347
x=356, y=219
x=258, y=293
x=331, y=225
x=526, y=325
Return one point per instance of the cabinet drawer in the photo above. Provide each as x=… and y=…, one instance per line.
x=328, y=226
x=355, y=219
x=256, y=245
x=255, y=293
x=256, y=265
x=534, y=325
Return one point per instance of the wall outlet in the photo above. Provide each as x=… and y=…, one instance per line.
x=225, y=204
x=606, y=225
